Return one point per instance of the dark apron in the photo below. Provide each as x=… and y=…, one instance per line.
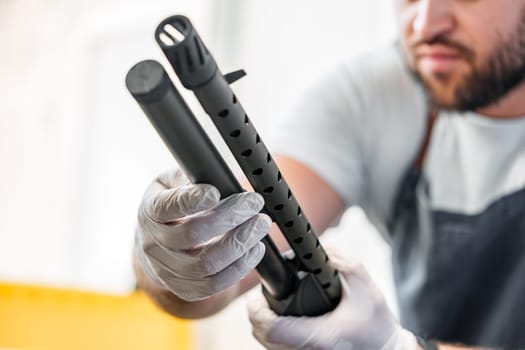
x=459, y=278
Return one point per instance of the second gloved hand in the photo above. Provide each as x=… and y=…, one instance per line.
x=361, y=321
x=194, y=244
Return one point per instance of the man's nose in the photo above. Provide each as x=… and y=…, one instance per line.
x=433, y=18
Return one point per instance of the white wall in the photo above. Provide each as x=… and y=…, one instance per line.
x=76, y=152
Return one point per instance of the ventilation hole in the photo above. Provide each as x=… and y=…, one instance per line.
x=317, y=244
x=326, y=258
x=336, y=273
x=326, y=285
x=235, y=133
x=289, y=194
x=246, y=120
x=318, y=271
x=224, y=113
x=278, y=207
x=166, y=39
x=257, y=171
x=298, y=211
x=234, y=99
x=246, y=153
x=288, y=224
x=268, y=189
x=174, y=33
x=268, y=158
x=257, y=139
x=279, y=176
x=298, y=240
x=308, y=256
x=308, y=228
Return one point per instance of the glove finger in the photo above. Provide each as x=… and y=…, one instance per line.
x=201, y=288
x=347, y=266
x=201, y=227
x=356, y=277
x=169, y=179
x=351, y=268
x=214, y=257
x=167, y=205
x=172, y=178
x=228, y=214
x=235, y=244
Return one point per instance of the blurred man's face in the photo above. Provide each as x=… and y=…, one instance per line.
x=468, y=53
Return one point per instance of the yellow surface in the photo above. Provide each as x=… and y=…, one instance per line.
x=49, y=318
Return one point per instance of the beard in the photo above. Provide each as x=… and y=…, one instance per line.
x=501, y=72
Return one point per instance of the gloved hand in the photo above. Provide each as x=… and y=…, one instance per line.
x=362, y=320
x=192, y=243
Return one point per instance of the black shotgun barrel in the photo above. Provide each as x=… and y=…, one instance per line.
x=304, y=284
x=195, y=153
x=198, y=71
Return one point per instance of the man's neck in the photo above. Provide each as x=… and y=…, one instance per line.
x=510, y=106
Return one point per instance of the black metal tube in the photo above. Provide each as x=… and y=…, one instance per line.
x=151, y=87
x=198, y=71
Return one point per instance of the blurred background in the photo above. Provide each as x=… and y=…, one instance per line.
x=77, y=152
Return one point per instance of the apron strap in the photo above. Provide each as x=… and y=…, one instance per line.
x=432, y=116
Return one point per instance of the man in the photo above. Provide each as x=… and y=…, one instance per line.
x=428, y=137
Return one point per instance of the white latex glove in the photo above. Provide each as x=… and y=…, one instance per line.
x=190, y=242
x=361, y=321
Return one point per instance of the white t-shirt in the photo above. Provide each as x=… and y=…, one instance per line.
x=361, y=126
